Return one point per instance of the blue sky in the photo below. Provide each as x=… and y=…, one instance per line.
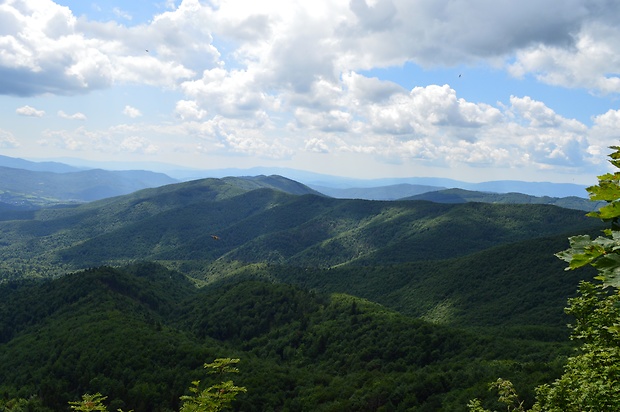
x=472, y=90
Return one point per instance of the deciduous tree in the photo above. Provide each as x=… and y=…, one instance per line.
x=591, y=378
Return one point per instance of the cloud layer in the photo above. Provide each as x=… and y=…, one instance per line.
x=277, y=79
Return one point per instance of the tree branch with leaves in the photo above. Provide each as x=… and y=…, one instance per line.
x=591, y=378
x=215, y=397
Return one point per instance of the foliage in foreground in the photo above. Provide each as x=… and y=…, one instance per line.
x=212, y=399
x=591, y=378
x=216, y=397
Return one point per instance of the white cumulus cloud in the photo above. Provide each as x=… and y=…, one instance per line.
x=137, y=144
x=316, y=145
x=131, y=112
x=7, y=140
x=188, y=110
x=274, y=79
x=74, y=116
x=29, y=111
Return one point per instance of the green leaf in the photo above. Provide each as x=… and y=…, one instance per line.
x=607, y=212
x=90, y=403
x=609, y=270
x=608, y=188
x=584, y=250
x=615, y=156
x=222, y=365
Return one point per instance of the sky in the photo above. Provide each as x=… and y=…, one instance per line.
x=474, y=90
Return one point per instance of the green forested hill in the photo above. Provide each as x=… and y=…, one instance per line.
x=454, y=264
x=140, y=334
x=35, y=244
x=199, y=224
x=332, y=304
x=515, y=289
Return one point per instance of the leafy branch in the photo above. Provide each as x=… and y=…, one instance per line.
x=603, y=252
x=591, y=379
x=216, y=397
x=90, y=403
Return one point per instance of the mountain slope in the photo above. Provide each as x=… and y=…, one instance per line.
x=45, y=188
x=515, y=289
x=356, y=231
x=335, y=304
x=101, y=330
x=35, y=241
x=213, y=222
x=140, y=335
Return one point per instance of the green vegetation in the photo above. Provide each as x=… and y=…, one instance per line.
x=138, y=335
x=90, y=403
x=174, y=224
x=333, y=305
x=215, y=398
x=591, y=378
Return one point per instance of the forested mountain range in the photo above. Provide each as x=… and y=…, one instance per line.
x=140, y=334
x=387, y=192
x=28, y=189
x=334, y=304
x=463, y=196
x=55, y=167
x=92, y=181
x=563, y=195
x=421, y=258
x=205, y=223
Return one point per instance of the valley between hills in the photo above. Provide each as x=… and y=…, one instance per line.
x=331, y=304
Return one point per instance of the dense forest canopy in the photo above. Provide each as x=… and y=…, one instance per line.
x=331, y=304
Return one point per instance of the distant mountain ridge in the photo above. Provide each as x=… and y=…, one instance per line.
x=43, y=188
x=464, y=196
x=390, y=192
x=371, y=189
x=26, y=185
x=417, y=186
x=271, y=182
x=314, y=180
x=55, y=167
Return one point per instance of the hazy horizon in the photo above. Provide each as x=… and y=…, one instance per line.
x=536, y=188
x=355, y=88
